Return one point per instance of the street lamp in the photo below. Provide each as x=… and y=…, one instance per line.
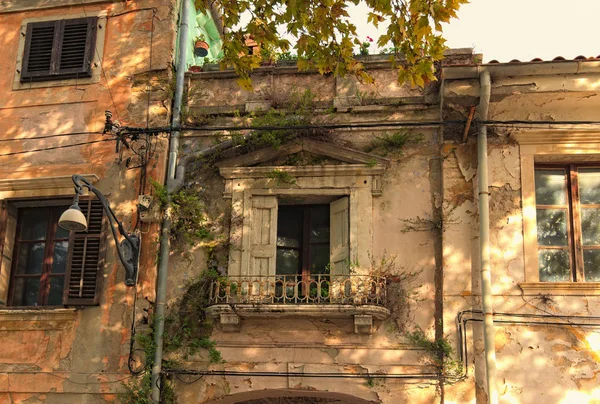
x=74, y=220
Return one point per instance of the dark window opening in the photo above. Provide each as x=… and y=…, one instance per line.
x=568, y=222
x=303, y=240
x=51, y=266
x=40, y=258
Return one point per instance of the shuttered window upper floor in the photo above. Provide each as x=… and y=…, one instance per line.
x=59, y=52
x=59, y=49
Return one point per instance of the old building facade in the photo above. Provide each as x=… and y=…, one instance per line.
x=331, y=256
x=389, y=173
x=65, y=310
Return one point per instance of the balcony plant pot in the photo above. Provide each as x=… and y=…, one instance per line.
x=201, y=48
x=195, y=69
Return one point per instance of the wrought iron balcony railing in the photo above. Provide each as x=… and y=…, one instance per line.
x=294, y=289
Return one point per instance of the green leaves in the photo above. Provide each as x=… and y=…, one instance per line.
x=326, y=36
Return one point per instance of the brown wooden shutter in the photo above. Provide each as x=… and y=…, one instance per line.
x=59, y=49
x=86, y=256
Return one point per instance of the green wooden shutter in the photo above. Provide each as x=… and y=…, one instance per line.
x=339, y=236
x=263, y=235
x=86, y=258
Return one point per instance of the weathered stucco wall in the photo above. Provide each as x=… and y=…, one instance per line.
x=555, y=363
x=560, y=359
x=72, y=354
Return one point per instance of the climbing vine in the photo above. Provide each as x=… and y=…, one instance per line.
x=187, y=331
x=402, y=297
x=441, y=355
x=188, y=221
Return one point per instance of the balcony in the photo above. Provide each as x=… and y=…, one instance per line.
x=360, y=297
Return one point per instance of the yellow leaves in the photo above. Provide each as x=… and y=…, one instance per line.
x=326, y=38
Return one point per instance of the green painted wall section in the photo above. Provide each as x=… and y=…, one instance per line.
x=203, y=24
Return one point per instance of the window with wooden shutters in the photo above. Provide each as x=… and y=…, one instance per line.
x=48, y=266
x=85, y=258
x=59, y=49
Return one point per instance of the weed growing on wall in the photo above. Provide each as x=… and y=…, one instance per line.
x=402, y=298
x=393, y=142
x=291, y=109
x=440, y=355
x=438, y=224
x=282, y=177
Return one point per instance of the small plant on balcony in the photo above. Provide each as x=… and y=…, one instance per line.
x=201, y=46
x=363, y=49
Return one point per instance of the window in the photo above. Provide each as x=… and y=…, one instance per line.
x=51, y=266
x=303, y=240
x=60, y=49
x=568, y=222
x=299, y=240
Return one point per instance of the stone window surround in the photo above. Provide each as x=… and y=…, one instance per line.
x=564, y=145
x=359, y=182
x=96, y=61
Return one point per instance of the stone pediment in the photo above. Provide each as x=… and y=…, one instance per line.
x=304, y=152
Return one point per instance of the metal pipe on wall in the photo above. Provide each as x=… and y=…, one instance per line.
x=484, y=241
x=163, y=266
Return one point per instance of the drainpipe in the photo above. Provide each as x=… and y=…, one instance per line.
x=161, y=287
x=484, y=240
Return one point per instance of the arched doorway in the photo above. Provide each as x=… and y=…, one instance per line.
x=289, y=396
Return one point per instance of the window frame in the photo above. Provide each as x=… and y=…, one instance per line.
x=95, y=59
x=569, y=145
x=71, y=275
x=48, y=258
x=575, y=246
x=55, y=71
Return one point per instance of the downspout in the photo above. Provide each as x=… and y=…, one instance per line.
x=484, y=240
x=163, y=266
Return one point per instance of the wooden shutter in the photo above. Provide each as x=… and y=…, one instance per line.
x=59, y=49
x=263, y=235
x=86, y=256
x=339, y=236
x=8, y=226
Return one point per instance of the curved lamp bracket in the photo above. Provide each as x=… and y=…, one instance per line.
x=129, y=248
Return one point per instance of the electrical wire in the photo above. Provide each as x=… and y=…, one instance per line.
x=55, y=147
x=135, y=10
x=150, y=68
x=337, y=375
x=23, y=139
x=462, y=322
x=100, y=61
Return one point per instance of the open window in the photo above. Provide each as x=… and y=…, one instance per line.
x=45, y=265
x=299, y=240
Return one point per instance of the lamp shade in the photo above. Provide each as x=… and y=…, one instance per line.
x=72, y=219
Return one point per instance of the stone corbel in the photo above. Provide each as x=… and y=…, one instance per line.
x=363, y=324
x=376, y=189
x=230, y=322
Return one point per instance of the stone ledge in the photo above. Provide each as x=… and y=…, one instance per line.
x=561, y=288
x=24, y=184
x=36, y=319
x=290, y=310
x=14, y=6
x=230, y=315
